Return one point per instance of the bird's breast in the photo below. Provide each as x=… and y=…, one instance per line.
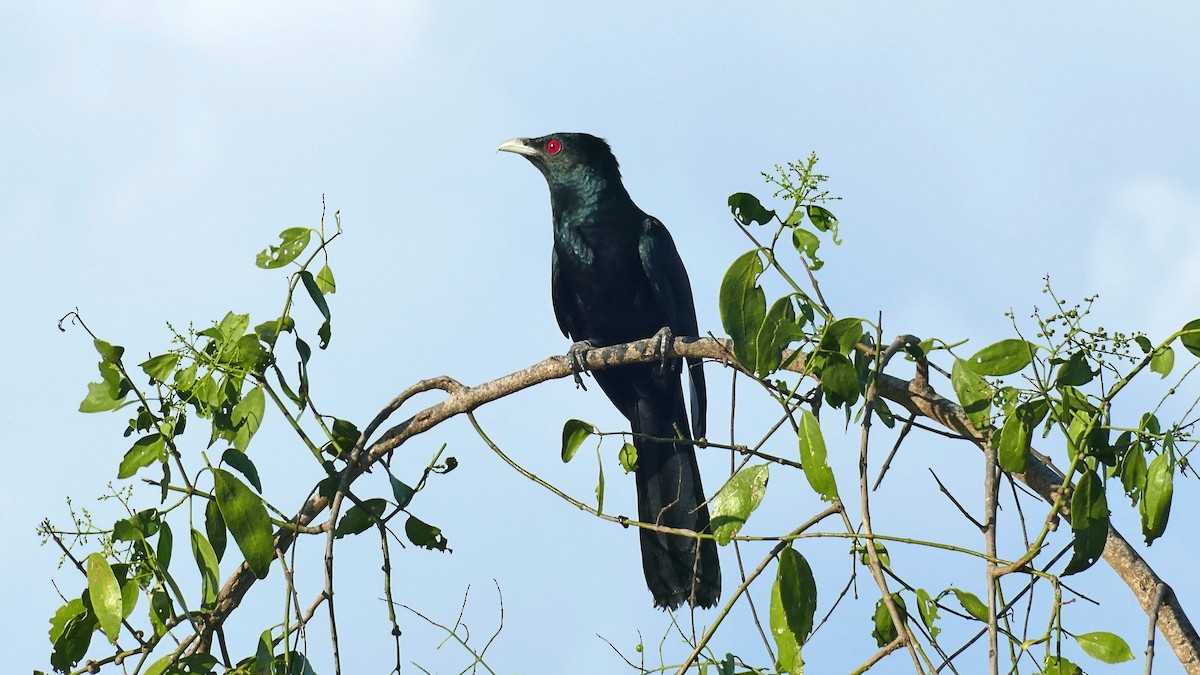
x=608, y=295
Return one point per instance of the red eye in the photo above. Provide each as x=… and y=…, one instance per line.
x=553, y=146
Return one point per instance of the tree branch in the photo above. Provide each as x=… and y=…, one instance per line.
x=916, y=396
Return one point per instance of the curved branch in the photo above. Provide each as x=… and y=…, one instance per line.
x=915, y=395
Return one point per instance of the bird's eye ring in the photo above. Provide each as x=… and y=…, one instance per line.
x=553, y=146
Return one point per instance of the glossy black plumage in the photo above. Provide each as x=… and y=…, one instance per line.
x=617, y=277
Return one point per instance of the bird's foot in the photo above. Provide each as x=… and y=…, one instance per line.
x=663, y=339
x=577, y=361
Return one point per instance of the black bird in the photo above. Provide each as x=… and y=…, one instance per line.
x=616, y=277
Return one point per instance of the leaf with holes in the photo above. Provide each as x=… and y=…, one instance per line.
x=293, y=242
x=747, y=209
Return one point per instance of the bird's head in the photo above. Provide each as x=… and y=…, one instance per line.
x=567, y=158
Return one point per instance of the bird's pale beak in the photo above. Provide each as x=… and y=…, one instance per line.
x=518, y=145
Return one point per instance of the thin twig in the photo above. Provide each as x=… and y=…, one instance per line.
x=1158, y=598
x=835, y=508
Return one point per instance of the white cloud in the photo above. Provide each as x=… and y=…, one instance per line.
x=1143, y=255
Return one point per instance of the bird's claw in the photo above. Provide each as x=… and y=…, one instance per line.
x=577, y=361
x=664, y=339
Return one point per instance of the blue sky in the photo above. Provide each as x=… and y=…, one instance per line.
x=152, y=149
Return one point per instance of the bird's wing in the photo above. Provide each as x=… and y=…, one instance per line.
x=558, y=296
x=673, y=294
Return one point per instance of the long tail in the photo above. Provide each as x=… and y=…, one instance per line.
x=678, y=569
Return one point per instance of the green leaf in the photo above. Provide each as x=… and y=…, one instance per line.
x=248, y=353
x=160, y=367
x=314, y=292
x=294, y=241
x=361, y=517
x=230, y=329
x=247, y=520
x=743, y=306
x=268, y=331
x=1089, y=521
x=1105, y=647
x=210, y=571
x=1056, y=665
x=344, y=438
x=797, y=593
x=109, y=352
x=145, y=451
x=929, y=612
x=166, y=545
x=789, y=660
x=71, y=633
x=1074, y=372
x=881, y=552
x=813, y=457
x=1002, y=358
x=1144, y=342
x=160, y=666
x=214, y=526
x=296, y=663
x=1156, y=500
x=1162, y=361
x=839, y=380
x=1190, y=337
x=401, y=491
x=58, y=623
x=1012, y=444
x=248, y=415
x=806, y=244
x=628, y=457
x=161, y=610
x=971, y=602
x=263, y=653
x=325, y=281
x=186, y=379
x=974, y=394
x=822, y=219
x=425, y=535
x=242, y=462
x=130, y=593
x=574, y=433
x=600, y=484
x=1132, y=469
x=101, y=397
x=738, y=498
x=747, y=209
x=779, y=329
x=885, y=629
x=105, y=593
x=323, y=334
x=842, y=335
